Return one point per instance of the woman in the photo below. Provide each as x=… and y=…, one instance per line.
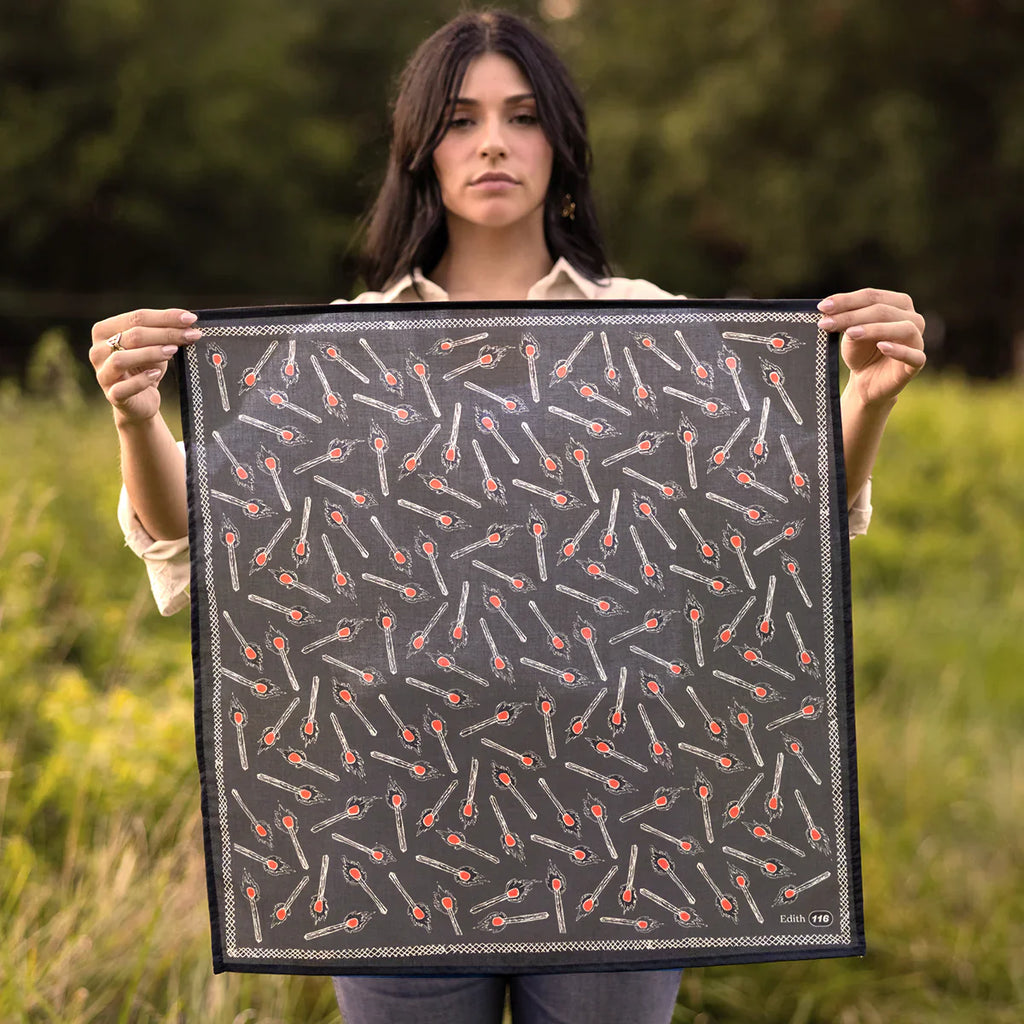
x=486, y=198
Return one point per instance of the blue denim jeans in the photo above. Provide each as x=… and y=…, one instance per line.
x=616, y=997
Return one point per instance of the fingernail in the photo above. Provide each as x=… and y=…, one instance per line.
x=169, y=350
x=188, y=318
x=153, y=373
x=885, y=347
x=826, y=305
x=856, y=332
x=193, y=334
x=826, y=323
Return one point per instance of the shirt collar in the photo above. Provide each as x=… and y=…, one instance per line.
x=563, y=274
x=406, y=287
x=561, y=277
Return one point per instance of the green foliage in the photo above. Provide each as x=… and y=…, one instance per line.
x=103, y=902
x=803, y=147
x=204, y=153
x=53, y=372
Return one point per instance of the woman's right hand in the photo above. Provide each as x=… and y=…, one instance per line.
x=130, y=376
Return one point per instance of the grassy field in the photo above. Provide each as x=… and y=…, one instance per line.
x=102, y=892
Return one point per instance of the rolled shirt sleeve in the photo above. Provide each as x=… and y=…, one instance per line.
x=166, y=561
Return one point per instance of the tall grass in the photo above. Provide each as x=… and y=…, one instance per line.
x=102, y=890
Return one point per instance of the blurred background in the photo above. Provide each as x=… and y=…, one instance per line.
x=206, y=154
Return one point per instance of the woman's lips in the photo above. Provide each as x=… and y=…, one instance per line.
x=493, y=182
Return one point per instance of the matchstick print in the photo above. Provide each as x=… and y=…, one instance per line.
x=418, y=913
x=702, y=371
x=597, y=428
x=774, y=375
x=350, y=759
x=726, y=633
x=521, y=629
x=333, y=402
x=286, y=822
x=663, y=863
x=730, y=363
x=578, y=454
x=558, y=643
x=252, y=509
x=446, y=903
x=550, y=465
x=746, y=478
x=713, y=408
x=261, y=555
x=216, y=358
x=488, y=425
x=413, y=460
x=725, y=905
x=687, y=435
x=741, y=717
x=446, y=345
x=806, y=659
x=660, y=754
x=720, y=453
x=492, y=487
x=260, y=829
x=487, y=358
x=694, y=611
x=646, y=343
x=612, y=783
x=251, y=893
x=627, y=894
x=718, y=586
x=252, y=373
x=815, y=836
x=735, y=808
x=562, y=500
x=570, y=546
x=353, y=875
x=617, y=712
x=591, y=393
x=527, y=758
x=508, y=403
x=511, y=844
x=579, y=722
x=419, y=370
x=464, y=874
x=561, y=370
x=359, y=498
x=530, y=351
x=388, y=377
x=280, y=400
x=578, y=855
x=611, y=373
x=331, y=352
x=585, y=632
x=642, y=394
x=647, y=443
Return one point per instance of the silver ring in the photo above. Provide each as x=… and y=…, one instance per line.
x=115, y=343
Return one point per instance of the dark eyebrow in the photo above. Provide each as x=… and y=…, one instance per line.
x=465, y=101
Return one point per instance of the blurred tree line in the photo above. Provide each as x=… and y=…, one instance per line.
x=198, y=154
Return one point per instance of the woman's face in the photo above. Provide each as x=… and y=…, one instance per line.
x=494, y=162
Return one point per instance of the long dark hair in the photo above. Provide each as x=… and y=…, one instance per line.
x=406, y=226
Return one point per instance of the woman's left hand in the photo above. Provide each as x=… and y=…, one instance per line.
x=883, y=340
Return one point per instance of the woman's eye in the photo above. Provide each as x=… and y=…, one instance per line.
x=460, y=122
x=525, y=119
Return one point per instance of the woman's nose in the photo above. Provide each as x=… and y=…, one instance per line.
x=492, y=138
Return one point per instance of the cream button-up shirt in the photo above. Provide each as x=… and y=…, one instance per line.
x=167, y=561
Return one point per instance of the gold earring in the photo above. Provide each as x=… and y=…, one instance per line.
x=568, y=207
